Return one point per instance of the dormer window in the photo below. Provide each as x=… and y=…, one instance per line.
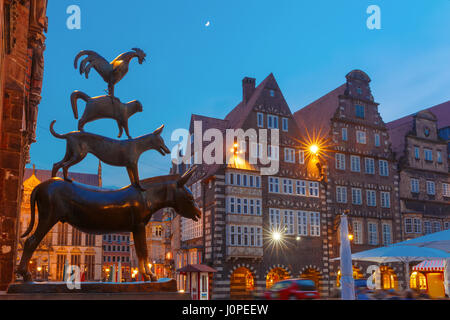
x=359, y=90
x=272, y=93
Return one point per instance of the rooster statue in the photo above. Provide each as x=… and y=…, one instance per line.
x=112, y=72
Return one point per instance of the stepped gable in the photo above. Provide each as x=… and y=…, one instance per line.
x=399, y=128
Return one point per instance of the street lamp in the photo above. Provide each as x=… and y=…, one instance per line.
x=314, y=149
x=276, y=236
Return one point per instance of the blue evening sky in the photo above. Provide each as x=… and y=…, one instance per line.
x=309, y=46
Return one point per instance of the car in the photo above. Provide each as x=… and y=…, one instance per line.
x=293, y=289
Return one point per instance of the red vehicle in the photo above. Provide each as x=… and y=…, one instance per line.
x=293, y=289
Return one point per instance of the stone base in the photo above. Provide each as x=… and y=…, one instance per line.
x=164, y=286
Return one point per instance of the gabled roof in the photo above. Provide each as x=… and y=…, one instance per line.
x=319, y=113
x=233, y=120
x=237, y=116
x=399, y=128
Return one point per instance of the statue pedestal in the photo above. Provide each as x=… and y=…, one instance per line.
x=161, y=290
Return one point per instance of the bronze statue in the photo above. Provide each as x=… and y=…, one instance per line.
x=97, y=211
x=120, y=153
x=112, y=72
x=105, y=107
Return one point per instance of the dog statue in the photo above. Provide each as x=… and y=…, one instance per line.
x=97, y=211
x=120, y=153
x=105, y=107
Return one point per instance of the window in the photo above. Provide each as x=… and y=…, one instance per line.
x=428, y=155
x=256, y=150
x=357, y=232
x=260, y=117
x=431, y=190
x=361, y=137
x=446, y=190
x=274, y=185
x=355, y=164
x=384, y=168
x=387, y=239
x=373, y=233
x=369, y=165
x=302, y=223
x=191, y=229
x=313, y=189
x=439, y=156
x=446, y=225
x=273, y=152
x=414, y=185
x=274, y=218
x=285, y=124
x=288, y=221
x=427, y=227
x=89, y=240
x=301, y=157
x=288, y=186
x=371, y=198
x=272, y=93
x=408, y=225
x=341, y=194
x=300, y=187
x=244, y=236
x=315, y=224
x=344, y=134
x=289, y=155
x=359, y=111
x=385, y=200
x=377, y=140
x=417, y=227
x=356, y=196
x=340, y=161
x=416, y=152
x=76, y=237
x=272, y=122
x=436, y=226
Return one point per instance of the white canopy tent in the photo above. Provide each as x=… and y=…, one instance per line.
x=438, y=240
x=400, y=253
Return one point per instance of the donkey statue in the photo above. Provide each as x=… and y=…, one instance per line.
x=97, y=211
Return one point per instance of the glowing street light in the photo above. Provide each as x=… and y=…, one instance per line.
x=276, y=236
x=314, y=149
x=350, y=237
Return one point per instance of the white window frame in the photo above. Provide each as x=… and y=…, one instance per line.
x=289, y=155
x=428, y=154
x=340, y=161
x=301, y=157
x=377, y=140
x=272, y=121
x=300, y=188
x=372, y=228
x=357, y=232
x=369, y=163
x=285, y=124
x=314, y=224
x=341, y=194
x=387, y=233
x=260, y=119
x=357, y=195
x=355, y=163
x=383, y=168
x=274, y=184
x=313, y=189
x=415, y=185
x=385, y=199
x=371, y=198
x=431, y=188
x=446, y=190
x=344, y=134
x=361, y=137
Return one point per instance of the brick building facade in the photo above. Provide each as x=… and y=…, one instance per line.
x=362, y=175
x=22, y=27
x=424, y=170
x=257, y=229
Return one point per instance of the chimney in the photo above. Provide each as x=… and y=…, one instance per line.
x=248, y=87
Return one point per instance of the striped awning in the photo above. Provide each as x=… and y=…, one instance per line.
x=430, y=265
